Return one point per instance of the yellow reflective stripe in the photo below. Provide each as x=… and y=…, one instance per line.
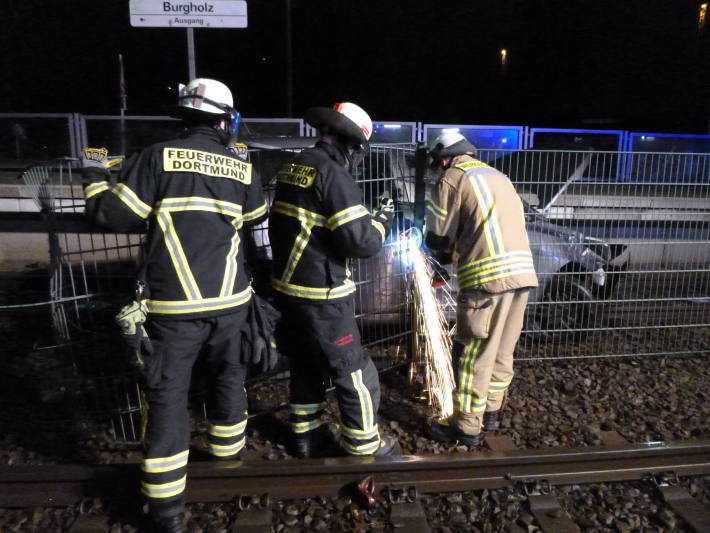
x=362, y=449
x=253, y=215
x=314, y=293
x=305, y=408
x=227, y=431
x=177, y=255
x=360, y=433
x=164, y=490
x=505, y=272
x=305, y=427
x=466, y=375
x=199, y=203
x=497, y=267
x=481, y=264
x=174, y=307
x=128, y=197
x=346, y=215
x=368, y=415
x=92, y=189
x=380, y=228
x=301, y=214
x=437, y=211
x=299, y=245
x=224, y=451
x=231, y=265
x=491, y=228
x=165, y=464
x=498, y=386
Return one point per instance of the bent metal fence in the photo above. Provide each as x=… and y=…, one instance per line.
x=621, y=244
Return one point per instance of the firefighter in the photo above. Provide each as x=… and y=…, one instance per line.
x=475, y=218
x=317, y=223
x=196, y=197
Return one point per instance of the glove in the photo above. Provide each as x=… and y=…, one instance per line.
x=238, y=149
x=384, y=214
x=130, y=320
x=440, y=277
x=98, y=158
x=260, y=350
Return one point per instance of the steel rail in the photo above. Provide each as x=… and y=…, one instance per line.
x=61, y=485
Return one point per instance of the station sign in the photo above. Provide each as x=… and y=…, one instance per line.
x=188, y=13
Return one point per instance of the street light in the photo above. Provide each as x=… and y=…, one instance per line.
x=702, y=16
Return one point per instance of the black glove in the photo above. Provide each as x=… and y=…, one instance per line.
x=384, y=214
x=260, y=349
x=440, y=276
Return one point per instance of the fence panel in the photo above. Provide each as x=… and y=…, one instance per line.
x=27, y=138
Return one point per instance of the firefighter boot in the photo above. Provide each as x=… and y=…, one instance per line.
x=443, y=430
x=314, y=443
x=388, y=446
x=491, y=420
x=168, y=519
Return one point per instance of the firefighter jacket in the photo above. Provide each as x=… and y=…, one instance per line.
x=195, y=197
x=317, y=222
x=475, y=213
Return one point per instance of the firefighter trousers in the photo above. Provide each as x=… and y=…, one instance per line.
x=166, y=383
x=487, y=329
x=323, y=341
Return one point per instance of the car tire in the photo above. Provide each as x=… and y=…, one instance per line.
x=566, y=313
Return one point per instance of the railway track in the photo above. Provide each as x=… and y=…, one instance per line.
x=537, y=472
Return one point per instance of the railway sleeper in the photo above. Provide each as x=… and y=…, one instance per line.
x=545, y=507
x=695, y=514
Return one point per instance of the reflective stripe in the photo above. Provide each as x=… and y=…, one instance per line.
x=346, y=215
x=437, y=211
x=359, y=433
x=379, y=227
x=482, y=264
x=165, y=464
x=128, y=197
x=368, y=415
x=479, y=404
x=95, y=188
x=227, y=431
x=301, y=214
x=231, y=264
x=523, y=268
x=305, y=408
x=164, y=490
x=362, y=449
x=187, y=280
x=305, y=427
x=224, y=451
x=299, y=245
x=466, y=373
x=498, y=386
x=314, y=293
x=253, y=215
x=491, y=228
x=197, y=306
x=199, y=203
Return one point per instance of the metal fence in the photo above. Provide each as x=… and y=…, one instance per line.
x=621, y=243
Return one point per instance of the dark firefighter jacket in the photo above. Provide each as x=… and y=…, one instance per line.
x=475, y=213
x=317, y=222
x=195, y=196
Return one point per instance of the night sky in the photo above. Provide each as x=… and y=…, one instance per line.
x=598, y=64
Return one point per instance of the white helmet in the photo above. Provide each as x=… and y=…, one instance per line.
x=207, y=96
x=345, y=118
x=450, y=144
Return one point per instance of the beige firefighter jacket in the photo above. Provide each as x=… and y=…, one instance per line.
x=475, y=212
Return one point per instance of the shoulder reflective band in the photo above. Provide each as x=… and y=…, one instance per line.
x=206, y=163
x=298, y=175
x=346, y=215
x=487, y=204
x=92, y=189
x=128, y=197
x=437, y=211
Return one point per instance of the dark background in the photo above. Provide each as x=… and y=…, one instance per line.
x=599, y=64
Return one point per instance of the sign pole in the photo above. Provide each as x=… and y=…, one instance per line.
x=191, y=54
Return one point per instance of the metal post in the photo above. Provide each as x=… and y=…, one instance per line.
x=289, y=62
x=420, y=159
x=191, y=54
